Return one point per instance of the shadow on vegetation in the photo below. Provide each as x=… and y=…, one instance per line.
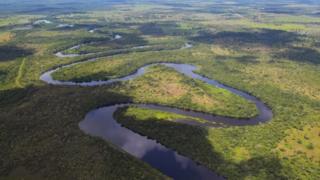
x=216, y=9
x=161, y=29
x=12, y=96
x=89, y=40
x=193, y=142
x=40, y=132
x=300, y=54
x=286, y=8
x=177, y=4
x=8, y=53
x=152, y=29
x=48, y=9
x=3, y=74
x=128, y=39
x=40, y=10
x=316, y=44
x=264, y=37
x=281, y=10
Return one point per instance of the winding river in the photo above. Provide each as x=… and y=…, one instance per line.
x=101, y=123
x=62, y=54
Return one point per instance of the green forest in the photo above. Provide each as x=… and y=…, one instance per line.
x=271, y=50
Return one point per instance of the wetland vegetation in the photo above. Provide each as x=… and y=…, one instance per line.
x=269, y=50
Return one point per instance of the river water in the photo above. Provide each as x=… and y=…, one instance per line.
x=100, y=123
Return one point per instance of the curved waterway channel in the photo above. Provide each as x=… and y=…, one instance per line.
x=101, y=123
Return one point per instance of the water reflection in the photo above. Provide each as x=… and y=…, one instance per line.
x=65, y=26
x=264, y=115
x=117, y=36
x=21, y=28
x=100, y=123
x=42, y=21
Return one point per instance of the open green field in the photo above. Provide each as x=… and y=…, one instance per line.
x=271, y=51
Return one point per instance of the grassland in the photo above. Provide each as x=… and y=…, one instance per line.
x=145, y=114
x=275, y=59
x=5, y=37
x=249, y=149
x=301, y=142
x=162, y=85
x=17, y=20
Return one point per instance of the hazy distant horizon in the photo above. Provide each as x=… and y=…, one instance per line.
x=26, y=6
